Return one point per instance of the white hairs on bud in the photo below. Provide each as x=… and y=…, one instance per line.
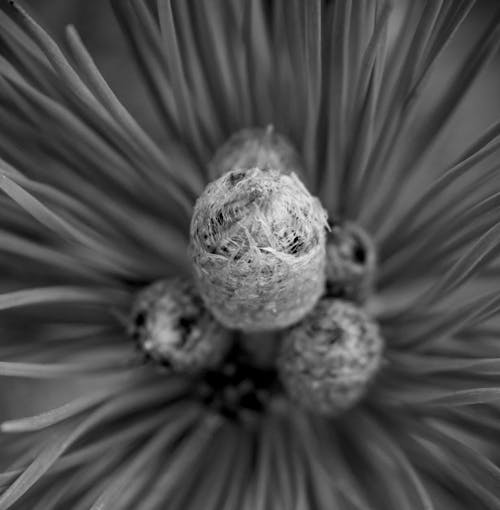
x=258, y=249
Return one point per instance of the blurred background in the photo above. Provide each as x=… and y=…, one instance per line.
x=99, y=30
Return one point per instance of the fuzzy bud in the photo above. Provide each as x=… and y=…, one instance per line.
x=327, y=361
x=256, y=148
x=351, y=263
x=173, y=327
x=258, y=249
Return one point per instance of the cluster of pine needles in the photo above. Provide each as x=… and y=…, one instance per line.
x=94, y=208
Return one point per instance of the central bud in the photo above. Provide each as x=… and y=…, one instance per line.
x=258, y=248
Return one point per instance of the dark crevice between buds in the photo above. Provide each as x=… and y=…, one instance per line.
x=238, y=389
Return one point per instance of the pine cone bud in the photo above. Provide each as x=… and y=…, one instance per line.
x=173, y=327
x=258, y=249
x=327, y=361
x=351, y=263
x=256, y=148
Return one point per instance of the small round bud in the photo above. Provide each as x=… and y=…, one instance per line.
x=173, y=327
x=256, y=148
x=351, y=262
x=327, y=361
x=258, y=249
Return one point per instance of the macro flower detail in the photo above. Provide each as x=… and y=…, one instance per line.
x=172, y=326
x=359, y=109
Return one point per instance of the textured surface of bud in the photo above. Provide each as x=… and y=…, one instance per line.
x=327, y=361
x=172, y=326
x=351, y=262
x=256, y=148
x=258, y=249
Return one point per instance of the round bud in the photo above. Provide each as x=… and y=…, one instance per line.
x=351, y=262
x=256, y=148
x=327, y=361
x=258, y=249
x=172, y=326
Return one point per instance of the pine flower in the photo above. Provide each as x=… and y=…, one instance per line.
x=95, y=209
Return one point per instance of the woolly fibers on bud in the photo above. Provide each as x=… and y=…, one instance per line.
x=256, y=148
x=326, y=361
x=351, y=262
x=173, y=327
x=258, y=249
